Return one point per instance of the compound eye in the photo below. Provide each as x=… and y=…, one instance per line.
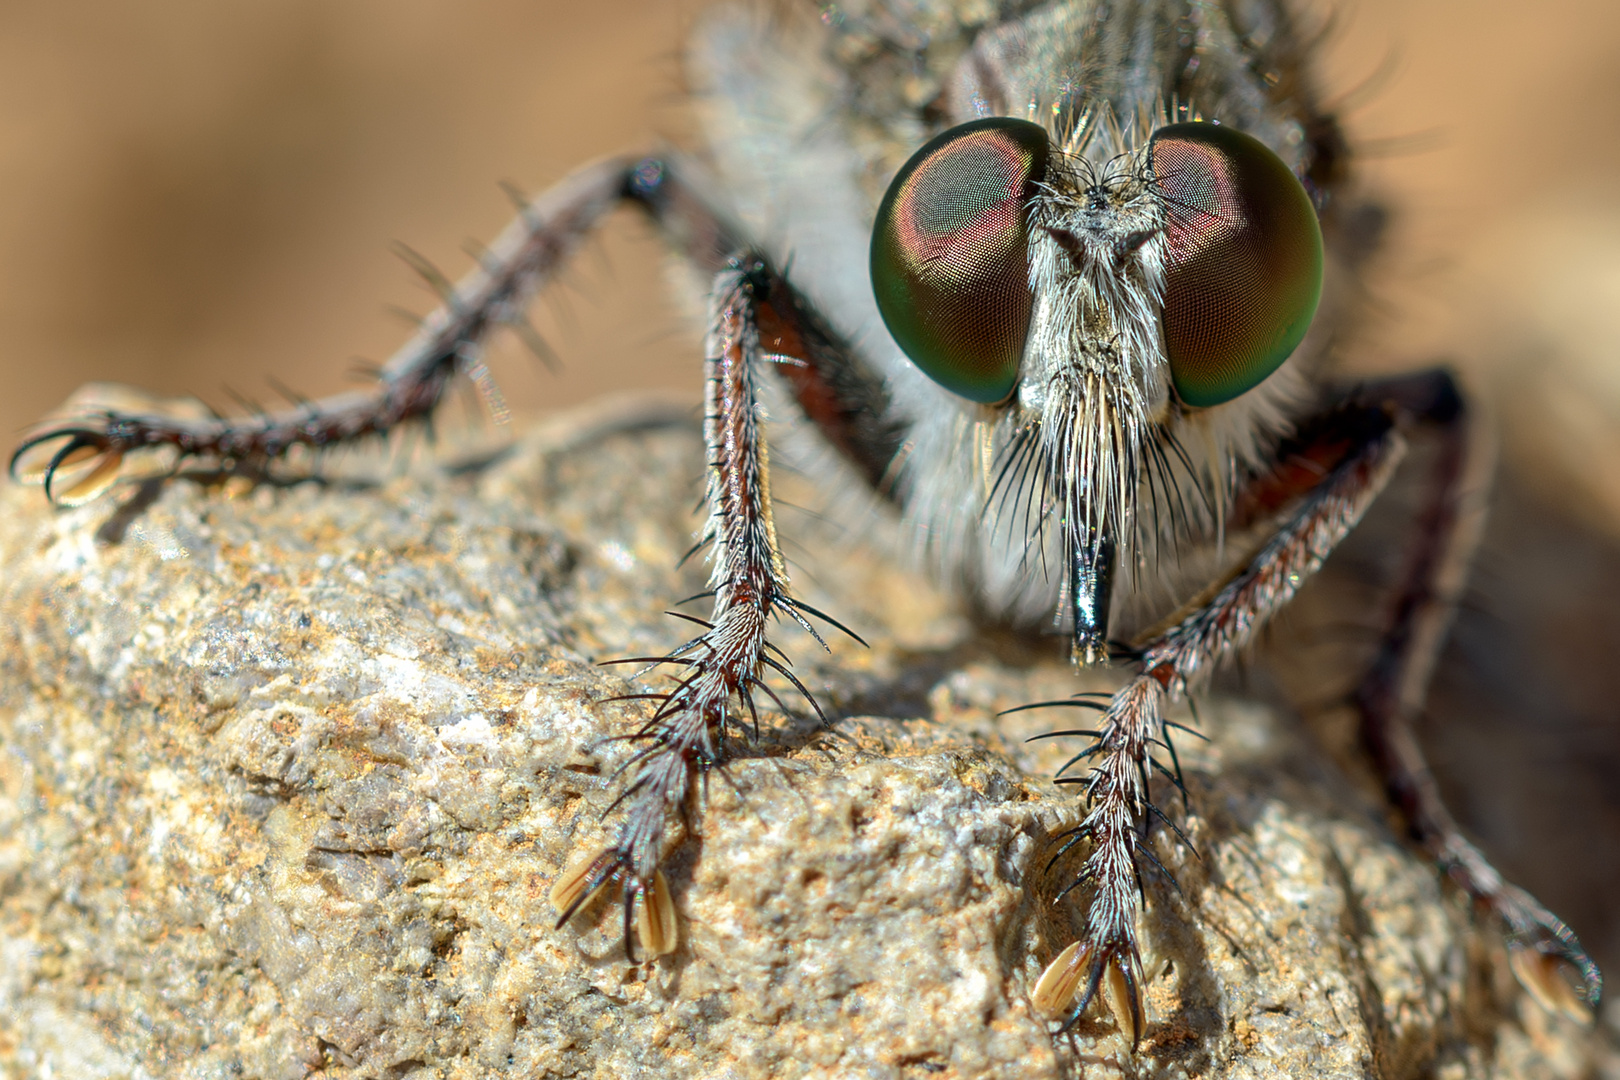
x=950, y=254
x=1243, y=265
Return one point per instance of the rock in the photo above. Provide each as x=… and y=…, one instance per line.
x=288, y=772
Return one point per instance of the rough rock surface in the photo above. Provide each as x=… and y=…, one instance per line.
x=286, y=773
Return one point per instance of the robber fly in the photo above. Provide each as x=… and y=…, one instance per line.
x=1056, y=280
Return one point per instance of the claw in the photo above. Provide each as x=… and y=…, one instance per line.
x=655, y=918
x=1551, y=979
x=1124, y=992
x=1113, y=969
x=654, y=906
x=1055, y=989
x=92, y=484
x=87, y=462
x=1546, y=956
x=586, y=876
x=40, y=452
x=31, y=461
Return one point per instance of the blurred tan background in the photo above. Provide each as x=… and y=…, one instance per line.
x=196, y=194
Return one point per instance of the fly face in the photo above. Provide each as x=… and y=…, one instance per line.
x=1095, y=385
x=1093, y=307
x=1020, y=276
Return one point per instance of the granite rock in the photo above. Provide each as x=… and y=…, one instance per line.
x=286, y=773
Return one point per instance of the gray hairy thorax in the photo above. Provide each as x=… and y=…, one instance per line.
x=809, y=119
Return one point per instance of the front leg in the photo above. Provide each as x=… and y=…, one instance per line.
x=757, y=319
x=725, y=665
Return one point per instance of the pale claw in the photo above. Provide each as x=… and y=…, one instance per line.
x=84, y=465
x=653, y=905
x=1547, y=958
x=586, y=876
x=655, y=917
x=1550, y=979
x=1113, y=968
x=1055, y=989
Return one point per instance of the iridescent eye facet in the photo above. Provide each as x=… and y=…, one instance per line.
x=1243, y=266
x=950, y=254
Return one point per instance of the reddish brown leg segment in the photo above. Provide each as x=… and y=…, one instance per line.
x=1545, y=954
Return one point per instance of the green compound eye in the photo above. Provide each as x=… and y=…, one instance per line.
x=950, y=254
x=1243, y=267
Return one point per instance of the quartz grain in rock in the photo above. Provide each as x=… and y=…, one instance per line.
x=286, y=775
